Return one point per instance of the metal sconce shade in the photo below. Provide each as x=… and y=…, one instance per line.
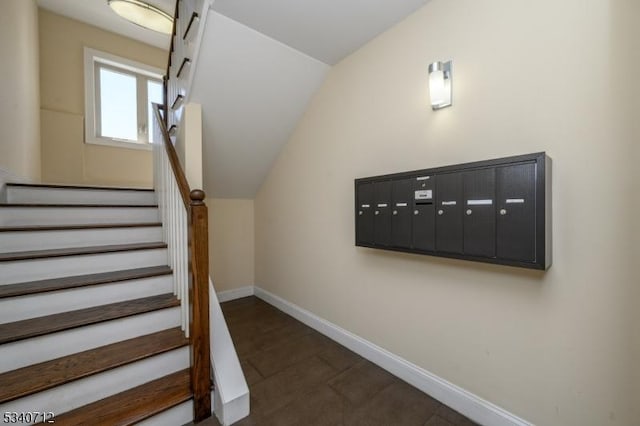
x=143, y=14
x=440, y=84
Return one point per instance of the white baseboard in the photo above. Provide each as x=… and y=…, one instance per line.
x=472, y=406
x=236, y=293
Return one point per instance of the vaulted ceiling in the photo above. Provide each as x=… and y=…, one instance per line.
x=259, y=65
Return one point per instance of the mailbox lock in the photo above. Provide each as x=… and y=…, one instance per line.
x=395, y=212
x=503, y=212
x=424, y=185
x=440, y=212
x=377, y=213
x=416, y=212
x=360, y=212
x=469, y=211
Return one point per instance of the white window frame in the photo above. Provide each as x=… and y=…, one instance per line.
x=93, y=61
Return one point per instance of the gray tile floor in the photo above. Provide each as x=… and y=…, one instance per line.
x=297, y=377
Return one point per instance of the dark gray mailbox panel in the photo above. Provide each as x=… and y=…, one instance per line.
x=496, y=211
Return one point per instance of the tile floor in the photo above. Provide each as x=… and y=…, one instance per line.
x=299, y=377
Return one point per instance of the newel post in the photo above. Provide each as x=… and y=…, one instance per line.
x=200, y=345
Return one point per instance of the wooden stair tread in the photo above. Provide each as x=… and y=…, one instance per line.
x=89, y=187
x=19, y=330
x=75, y=227
x=46, y=375
x=75, y=251
x=55, y=284
x=78, y=205
x=134, y=405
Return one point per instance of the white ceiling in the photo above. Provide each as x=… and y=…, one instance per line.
x=260, y=63
x=99, y=14
x=327, y=30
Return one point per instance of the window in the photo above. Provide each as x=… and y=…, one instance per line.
x=118, y=97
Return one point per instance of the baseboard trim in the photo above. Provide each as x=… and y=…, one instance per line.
x=236, y=293
x=472, y=406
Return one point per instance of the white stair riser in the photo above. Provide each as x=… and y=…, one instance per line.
x=41, y=304
x=27, y=216
x=45, y=348
x=42, y=240
x=179, y=415
x=85, y=391
x=56, y=267
x=35, y=195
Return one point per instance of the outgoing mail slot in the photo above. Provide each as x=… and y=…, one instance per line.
x=423, y=195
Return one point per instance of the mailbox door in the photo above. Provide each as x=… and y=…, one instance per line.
x=449, y=212
x=516, y=218
x=382, y=213
x=479, y=213
x=401, y=213
x=364, y=213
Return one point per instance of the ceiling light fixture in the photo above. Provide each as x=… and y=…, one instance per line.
x=143, y=14
x=440, y=84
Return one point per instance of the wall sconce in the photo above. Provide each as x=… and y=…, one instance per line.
x=440, y=84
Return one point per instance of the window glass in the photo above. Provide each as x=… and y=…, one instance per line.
x=118, y=105
x=118, y=97
x=154, y=95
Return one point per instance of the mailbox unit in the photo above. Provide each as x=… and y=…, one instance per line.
x=495, y=211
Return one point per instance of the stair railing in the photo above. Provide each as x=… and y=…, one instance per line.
x=184, y=221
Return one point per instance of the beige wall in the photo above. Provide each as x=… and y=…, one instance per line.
x=20, y=97
x=550, y=347
x=231, y=243
x=65, y=156
x=626, y=57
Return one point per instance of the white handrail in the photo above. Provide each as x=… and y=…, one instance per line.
x=175, y=224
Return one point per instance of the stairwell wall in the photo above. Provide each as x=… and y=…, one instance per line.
x=66, y=158
x=555, y=347
x=20, y=95
x=231, y=243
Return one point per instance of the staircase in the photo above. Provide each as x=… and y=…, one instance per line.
x=90, y=328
